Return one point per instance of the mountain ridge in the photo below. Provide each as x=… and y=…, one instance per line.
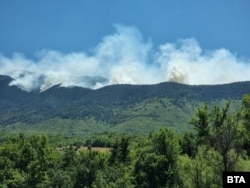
x=109, y=108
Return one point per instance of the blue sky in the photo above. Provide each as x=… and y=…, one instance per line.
x=94, y=43
x=28, y=26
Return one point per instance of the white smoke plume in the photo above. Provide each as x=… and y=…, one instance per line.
x=126, y=58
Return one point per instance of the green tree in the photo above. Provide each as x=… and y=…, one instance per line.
x=246, y=112
x=25, y=162
x=156, y=163
x=60, y=178
x=202, y=171
x=221, y=130
x=246, y=122
x=201, y=125
x=120, y=151
x=188, y=144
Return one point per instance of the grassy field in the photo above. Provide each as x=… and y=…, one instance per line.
x=83, y=148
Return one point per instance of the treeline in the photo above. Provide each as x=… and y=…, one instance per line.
x=220, y=142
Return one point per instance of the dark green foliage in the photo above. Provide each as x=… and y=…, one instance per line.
x=24, y=162
x=196, y=159
x=246, y=122
x=156, y=164
x=220, y=130
x=246, y=112
x=120, y=151
x=60, y=178
x=188, y=144
x=118, y=108
x=201, y=125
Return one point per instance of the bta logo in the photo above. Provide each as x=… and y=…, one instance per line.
x=235, y=179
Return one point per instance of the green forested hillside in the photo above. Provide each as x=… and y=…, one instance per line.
x=214, y=120
x=117, y=108
x=197, y=159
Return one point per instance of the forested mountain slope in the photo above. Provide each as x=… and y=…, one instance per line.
x=122, y=108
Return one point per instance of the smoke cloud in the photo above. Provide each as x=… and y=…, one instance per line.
x=125, y=57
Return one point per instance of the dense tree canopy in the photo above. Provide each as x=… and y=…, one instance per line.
x=219, y=142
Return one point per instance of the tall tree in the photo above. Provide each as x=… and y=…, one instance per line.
x=25, y=162
x=156, y=163
x=220, y=129
x=201, y=125
x=246, y=122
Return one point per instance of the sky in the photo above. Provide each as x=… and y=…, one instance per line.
x=94, y=43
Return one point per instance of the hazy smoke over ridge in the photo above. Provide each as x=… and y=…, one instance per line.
x=125, y=57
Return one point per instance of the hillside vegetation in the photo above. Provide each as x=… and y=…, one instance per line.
x=219, y=143
x=136, y=109
x=124, y=135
